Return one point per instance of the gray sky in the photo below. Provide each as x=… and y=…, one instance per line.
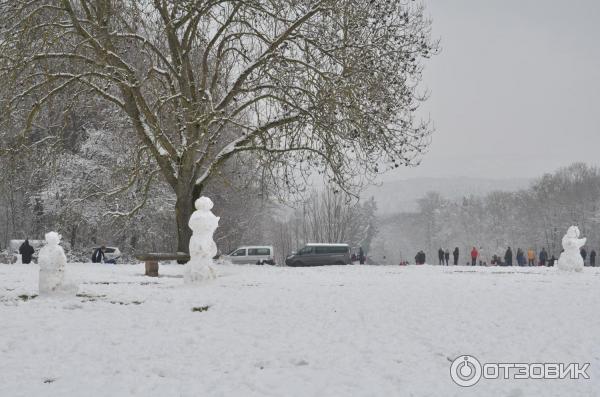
x=515, y=90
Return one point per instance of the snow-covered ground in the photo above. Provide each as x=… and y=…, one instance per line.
x=273, y=331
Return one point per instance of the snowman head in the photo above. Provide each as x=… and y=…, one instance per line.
x=53, y=238
x=573, y=232
x=204, y=204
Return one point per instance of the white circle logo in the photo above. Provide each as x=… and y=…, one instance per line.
x=465, y=371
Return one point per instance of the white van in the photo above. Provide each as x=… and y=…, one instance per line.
x=252, y=254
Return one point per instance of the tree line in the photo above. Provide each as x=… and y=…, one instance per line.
x=535, y=217
x=92, y=186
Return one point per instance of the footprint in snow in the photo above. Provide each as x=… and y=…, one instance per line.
x=73, y=306
x=261, y=364
x=299, y=363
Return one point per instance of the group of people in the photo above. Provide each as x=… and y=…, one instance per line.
x=592, y=261
x=27, y=251
x=529, y=258
x=522, y=258
x=444, y=256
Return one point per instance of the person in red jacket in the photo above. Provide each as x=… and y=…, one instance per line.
x=474, y=255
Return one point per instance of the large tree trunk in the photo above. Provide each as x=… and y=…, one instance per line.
x=183, y=210
x=73, y=236
x=184, y=207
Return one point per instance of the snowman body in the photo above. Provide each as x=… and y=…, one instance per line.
x=570, y=259
x=202, y=246
x=52, y=261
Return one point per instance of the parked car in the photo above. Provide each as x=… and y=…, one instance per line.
x=317, y=254
x=111, y=254
x=250, y=255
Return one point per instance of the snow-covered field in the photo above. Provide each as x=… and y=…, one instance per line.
x=273, y=331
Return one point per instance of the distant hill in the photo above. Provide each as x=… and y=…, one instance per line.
x=402, y=195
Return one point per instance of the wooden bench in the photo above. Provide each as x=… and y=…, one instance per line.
x=152, y=259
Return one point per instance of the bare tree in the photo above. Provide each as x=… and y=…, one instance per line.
x=326, y=217
x=311, y=84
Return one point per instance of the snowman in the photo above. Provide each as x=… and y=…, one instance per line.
x=202, y=246
x=571, y=258
x=52, y=261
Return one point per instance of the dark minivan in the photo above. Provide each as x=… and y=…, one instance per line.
x=320, y=255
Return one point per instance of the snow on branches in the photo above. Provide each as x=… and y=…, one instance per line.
x=306, y=85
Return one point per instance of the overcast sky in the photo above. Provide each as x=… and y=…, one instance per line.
x=515, y=90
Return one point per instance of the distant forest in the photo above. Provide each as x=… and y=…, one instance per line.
x=535, y=217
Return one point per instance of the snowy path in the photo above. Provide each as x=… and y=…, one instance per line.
x=269, y=331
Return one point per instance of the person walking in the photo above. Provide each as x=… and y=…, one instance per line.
x=520, y=257
x=455, y=256
x=447, y=256
x=531, y=257
x=361, y=256
x=26, y=252
x=543, y=257
x=420, y=258
x=98, y=255
x=508, y=257
x=474, y=255
x=441, y=256
x=583, y=253
x=593, y=258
